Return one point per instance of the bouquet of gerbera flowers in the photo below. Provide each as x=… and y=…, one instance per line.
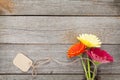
x=90, y=53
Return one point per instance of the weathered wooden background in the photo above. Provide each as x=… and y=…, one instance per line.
x=42, y=28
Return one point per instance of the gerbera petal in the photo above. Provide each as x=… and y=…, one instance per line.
x=89, y=40
x=98, y=55
x=76, y=50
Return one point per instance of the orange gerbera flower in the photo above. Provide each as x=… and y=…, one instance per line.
x=76, y=50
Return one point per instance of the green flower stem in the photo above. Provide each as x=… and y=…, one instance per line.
x=94, y=74
x=95, y=71
x=84, y=67
x=88, y=66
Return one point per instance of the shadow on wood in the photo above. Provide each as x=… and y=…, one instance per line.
x=1, y=12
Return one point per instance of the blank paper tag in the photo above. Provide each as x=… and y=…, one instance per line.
x=22, y=62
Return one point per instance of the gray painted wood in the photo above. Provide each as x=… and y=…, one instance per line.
x=41, y=77
x=66, y=7
x=62, y=30
x=50, y=36
x=109, y=77
x=56, y=77
x=35, y=52
x=112, y=67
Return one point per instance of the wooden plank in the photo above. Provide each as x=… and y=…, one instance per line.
x=109, y=77
x=112, y=68
x=62, y=30
x=56, y=77
x=41, y=77
x=66, y=7
x=35, y=52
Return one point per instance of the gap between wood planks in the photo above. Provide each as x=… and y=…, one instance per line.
x=68, y=15
x=57, y=74
x=46, y=44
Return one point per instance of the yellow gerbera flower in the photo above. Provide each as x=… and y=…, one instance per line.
x=89, y=40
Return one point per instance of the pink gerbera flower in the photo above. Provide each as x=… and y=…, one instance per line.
x=98, y=55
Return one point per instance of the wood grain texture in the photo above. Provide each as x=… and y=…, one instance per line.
x=112, y=68
x=109, y=77
x=38, y=36
x=41, y=77
x=66, y=7
x=56, y=77
x=62, y=30
x=35, y=52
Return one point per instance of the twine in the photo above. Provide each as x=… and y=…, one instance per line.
x=36, y=64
